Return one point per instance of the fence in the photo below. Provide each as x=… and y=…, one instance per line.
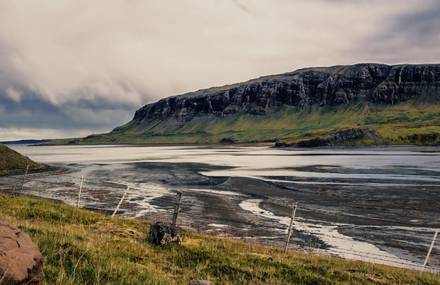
x=27, y=182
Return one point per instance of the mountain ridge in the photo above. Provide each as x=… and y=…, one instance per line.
x=195, y=117
x=330, y=83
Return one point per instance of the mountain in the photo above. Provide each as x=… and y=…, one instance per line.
x=11, y=162
x=360, y=104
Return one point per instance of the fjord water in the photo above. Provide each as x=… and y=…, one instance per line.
x=377, y=204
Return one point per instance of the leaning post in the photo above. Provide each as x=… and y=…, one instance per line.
x=80, y=189
x=289, y=232
x=120, y=202
x=430, y=249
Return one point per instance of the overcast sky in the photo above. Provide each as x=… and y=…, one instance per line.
x=74, y=67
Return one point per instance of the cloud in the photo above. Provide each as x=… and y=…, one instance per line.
x=79, y=64
x=13, y=94
x=411, y=37
x=37, y=112
x=419, y=27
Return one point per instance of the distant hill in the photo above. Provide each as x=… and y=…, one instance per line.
x=11, y=162
x=24, y=142
x=369, y=104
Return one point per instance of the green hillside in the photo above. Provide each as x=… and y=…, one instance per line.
x=12, y=162
x=409, y=123
x=84, y=247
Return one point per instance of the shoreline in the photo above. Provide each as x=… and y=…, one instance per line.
x=248, y=144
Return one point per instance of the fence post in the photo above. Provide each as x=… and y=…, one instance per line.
x=176, y=208
x=430, y=250
x=24, y=177
x=289, y=232
x=120, y=202
x=80, y=189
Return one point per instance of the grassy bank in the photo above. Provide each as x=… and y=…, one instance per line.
x=84, y=247
x=409, y=123
x=13, y=162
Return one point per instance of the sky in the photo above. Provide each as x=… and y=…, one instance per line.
x=71, y=68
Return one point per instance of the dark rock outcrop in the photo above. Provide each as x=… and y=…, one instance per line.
x=20, y=259
x=343, y=137
x=304, y=88
x=228, y=140
x=422, y=139
x=163, y=234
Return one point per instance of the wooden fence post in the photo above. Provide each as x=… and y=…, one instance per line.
x=289, y=232
x=176, y=208
x=120, y=202
x=80, y=189
x=24, y=177
x=430, y=250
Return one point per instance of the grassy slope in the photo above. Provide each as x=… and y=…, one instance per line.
x=394, y=125
x=13, y=162
x=83, y=247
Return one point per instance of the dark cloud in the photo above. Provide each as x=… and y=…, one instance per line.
x=409, y=37
x=31, y=110
x=419, y=27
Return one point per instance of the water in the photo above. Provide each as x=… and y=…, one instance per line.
x=374, y=204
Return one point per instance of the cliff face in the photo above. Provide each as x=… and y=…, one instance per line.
x=330, y=86
x=321, y=106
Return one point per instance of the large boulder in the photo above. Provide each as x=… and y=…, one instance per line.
x=163, y=234
x=20, y=259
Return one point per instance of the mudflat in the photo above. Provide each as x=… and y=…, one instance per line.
x=376, y=204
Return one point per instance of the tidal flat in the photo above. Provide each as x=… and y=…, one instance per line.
x=373, y=204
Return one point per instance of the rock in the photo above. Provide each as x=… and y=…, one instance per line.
x=20, y=259
x=201, y=282
x=343, y=137
x=163, y=234
x=423, y=139
x=229, y=140
x=279, y=143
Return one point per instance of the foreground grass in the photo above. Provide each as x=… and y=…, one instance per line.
x=84, y=247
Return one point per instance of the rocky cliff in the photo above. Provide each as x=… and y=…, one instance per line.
x=400, y=104
x=330, y=86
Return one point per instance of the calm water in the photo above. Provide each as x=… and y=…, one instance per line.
x=392, y=163
x=380, y=204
